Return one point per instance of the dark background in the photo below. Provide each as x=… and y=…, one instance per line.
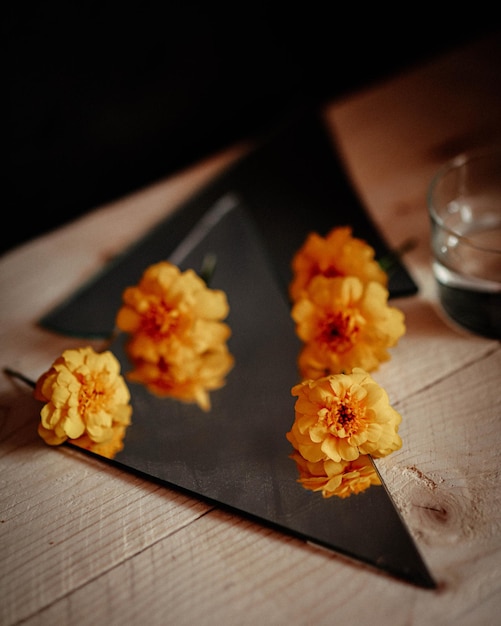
x=104, y=98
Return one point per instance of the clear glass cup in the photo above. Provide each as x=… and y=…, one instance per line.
x=464, y=203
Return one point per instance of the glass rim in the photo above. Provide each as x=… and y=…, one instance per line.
x=454, y=163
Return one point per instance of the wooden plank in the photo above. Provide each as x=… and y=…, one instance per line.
x=66, y=518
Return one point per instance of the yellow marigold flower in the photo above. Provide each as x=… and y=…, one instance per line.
x=337, y=254
x=168, y=304
x=177, y=334
x=342, y=416
x=345, y=323
x=341, y=479
x=84, y=395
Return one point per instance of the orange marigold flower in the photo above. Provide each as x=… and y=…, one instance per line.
x=341, y=479
x=342, y=416
x=177, y=335
x=337, y=254
x=84, y=395
x=345, y=323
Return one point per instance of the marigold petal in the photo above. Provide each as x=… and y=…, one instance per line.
x=73, y=424
x=50, y=436
x=211, y=304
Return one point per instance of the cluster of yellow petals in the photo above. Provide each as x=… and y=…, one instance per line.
x=340, y=307
x=345, y=323
x=85, y=400
x=337, y=254
x=177, y=338
x=339, y=419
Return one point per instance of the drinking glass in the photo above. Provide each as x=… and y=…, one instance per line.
x=464, y=203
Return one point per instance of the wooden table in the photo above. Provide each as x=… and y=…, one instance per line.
x=83, y=543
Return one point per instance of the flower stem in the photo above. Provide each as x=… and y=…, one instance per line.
x=388, y=262
x=19, y=376
x=208, y=267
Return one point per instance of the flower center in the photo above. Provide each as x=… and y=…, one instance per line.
x=339, y=331
x=345, y=417
x=330, y=271
x=160, y=320
x=93, y=394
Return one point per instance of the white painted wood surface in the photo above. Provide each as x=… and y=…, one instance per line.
x=83, y=543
